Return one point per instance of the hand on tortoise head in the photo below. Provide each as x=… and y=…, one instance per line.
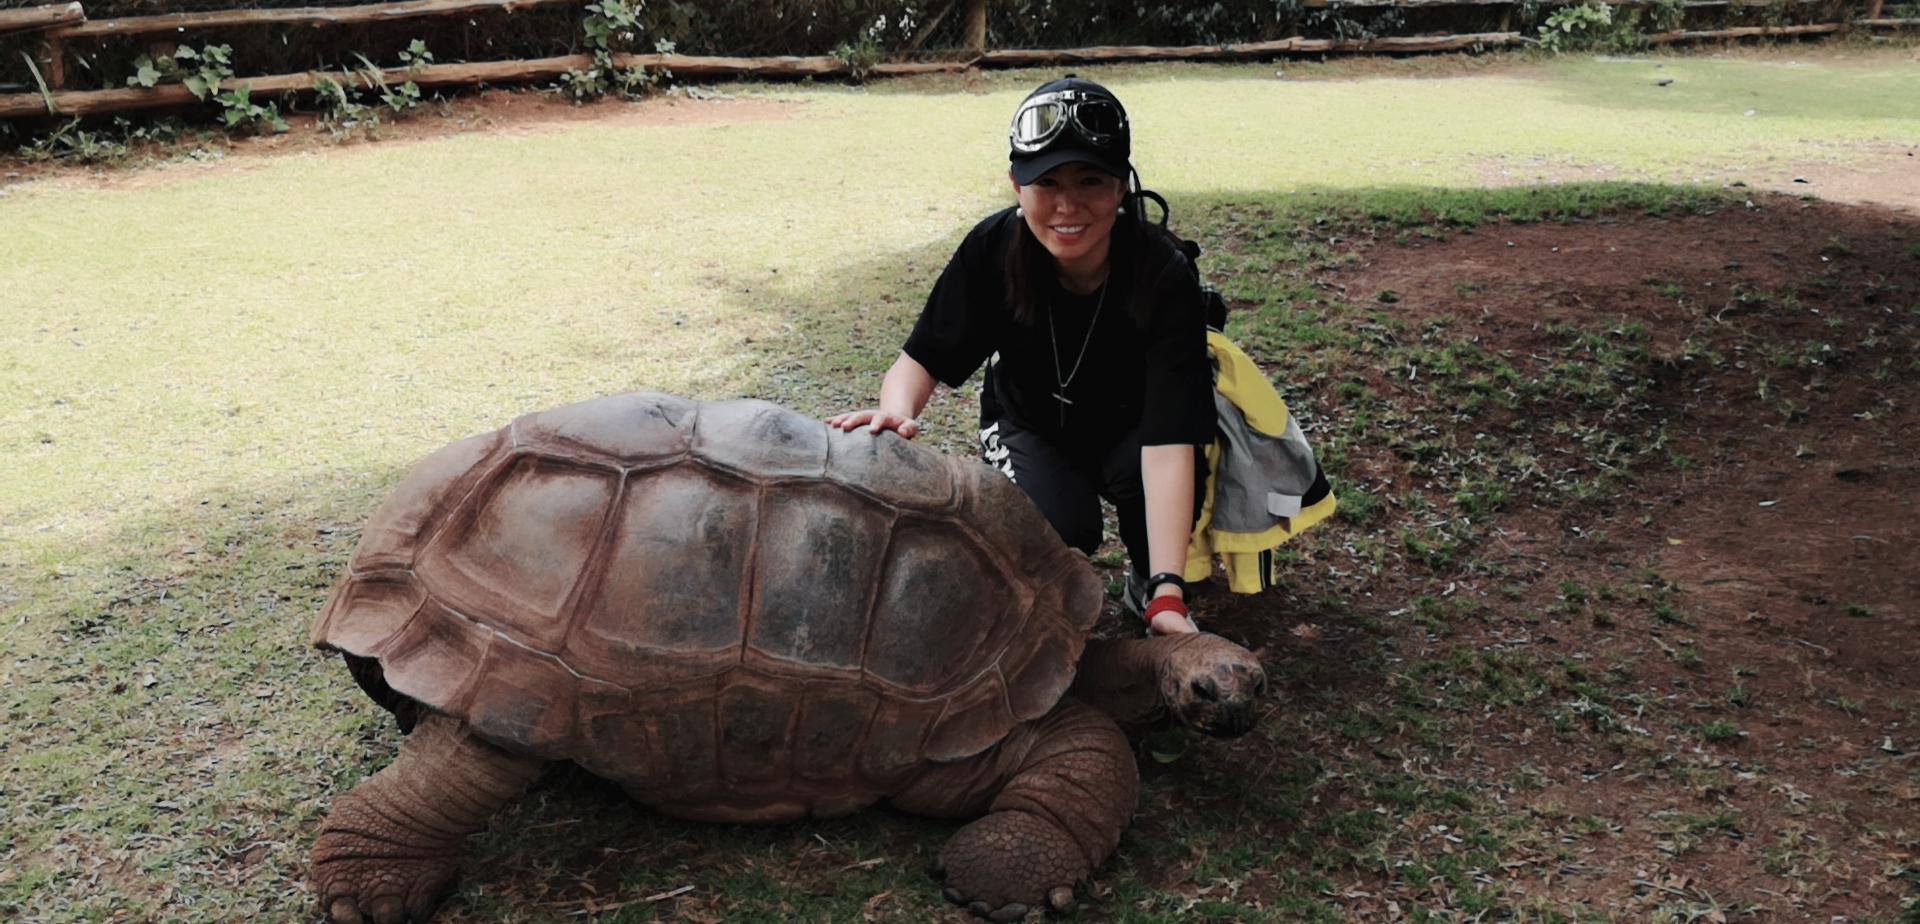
x=1167, y=615
x=876, y=420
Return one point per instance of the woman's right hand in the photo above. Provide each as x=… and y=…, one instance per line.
x=876, y=420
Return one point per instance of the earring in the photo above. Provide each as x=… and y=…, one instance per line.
x=1123, y=210
x=1019, y=212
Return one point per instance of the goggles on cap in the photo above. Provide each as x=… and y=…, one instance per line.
x=1098, y=120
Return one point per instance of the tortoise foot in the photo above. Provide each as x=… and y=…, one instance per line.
x=1011, y=863
x=363, y=889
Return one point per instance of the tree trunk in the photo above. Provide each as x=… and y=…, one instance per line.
x=977, y=26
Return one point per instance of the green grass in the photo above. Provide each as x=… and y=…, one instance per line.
x=208, y=381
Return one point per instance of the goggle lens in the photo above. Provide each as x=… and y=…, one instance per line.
x=1036, y=124
x=1099, y=119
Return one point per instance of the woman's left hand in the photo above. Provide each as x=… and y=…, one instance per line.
x=875, y=420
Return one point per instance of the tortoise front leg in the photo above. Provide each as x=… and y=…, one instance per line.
x=388, y=848
x=1061, y=790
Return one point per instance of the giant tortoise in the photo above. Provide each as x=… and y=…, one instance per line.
x=741, y=615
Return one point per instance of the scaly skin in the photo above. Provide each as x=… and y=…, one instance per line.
x=388, y=849
x=1198, y=680
x=1061, y=789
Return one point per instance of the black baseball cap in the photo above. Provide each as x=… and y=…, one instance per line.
x=1092, y=128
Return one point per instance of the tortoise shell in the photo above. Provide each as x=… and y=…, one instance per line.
x=735, y=611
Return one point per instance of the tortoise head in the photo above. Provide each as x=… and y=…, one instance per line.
x=1210, y=684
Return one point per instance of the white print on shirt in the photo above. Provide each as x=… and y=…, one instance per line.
x=997, y=456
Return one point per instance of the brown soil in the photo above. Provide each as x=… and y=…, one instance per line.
x=1792, y=537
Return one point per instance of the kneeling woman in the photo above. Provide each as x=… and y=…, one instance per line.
x=1092, y=328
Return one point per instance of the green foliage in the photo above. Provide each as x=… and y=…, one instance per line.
x=1577, y=28
x=71, y=143
x=416, y=57
x=338, y=110
x=1596, y=24
x=397, y=99
x=610, y=25
x=202, y=73
x=1666, y=15
x=861, y=56
x=358, y=100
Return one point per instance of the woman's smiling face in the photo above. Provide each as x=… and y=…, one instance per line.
x=1071, y=209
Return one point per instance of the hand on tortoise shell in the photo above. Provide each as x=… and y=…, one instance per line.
x=876, y=420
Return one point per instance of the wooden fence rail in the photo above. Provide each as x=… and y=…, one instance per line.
x=67, y=21
x=40, y=17
x=300, y=16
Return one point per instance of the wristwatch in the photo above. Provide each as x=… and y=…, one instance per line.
x=1166, y=577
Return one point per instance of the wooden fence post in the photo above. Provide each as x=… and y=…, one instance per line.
x=977, y=26
x=56, y=65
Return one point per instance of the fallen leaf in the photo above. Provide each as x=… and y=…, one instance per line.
x=1307, y=631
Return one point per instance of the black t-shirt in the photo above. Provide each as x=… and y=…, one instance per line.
x=1157, y=378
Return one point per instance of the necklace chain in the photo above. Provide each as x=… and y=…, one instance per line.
x=1053, y=339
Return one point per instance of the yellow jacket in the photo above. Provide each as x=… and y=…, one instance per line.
x=1261, y=475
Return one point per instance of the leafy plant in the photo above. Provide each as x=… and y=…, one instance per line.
x=202, y=73
x=398, y=99
x=339, y=112
x=860, y=56
x=341, y=108
x=416, y=56
x=610, y=23
x=1576, y=28
x=69, y=142
x=1666, y=15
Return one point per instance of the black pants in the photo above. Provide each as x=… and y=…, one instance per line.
x=1067, y=483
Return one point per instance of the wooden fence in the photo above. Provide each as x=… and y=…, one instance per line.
x=59, y=24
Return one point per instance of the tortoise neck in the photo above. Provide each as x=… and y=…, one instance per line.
x=1121, y=677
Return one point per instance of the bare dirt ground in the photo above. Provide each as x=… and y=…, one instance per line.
x=1785, y=340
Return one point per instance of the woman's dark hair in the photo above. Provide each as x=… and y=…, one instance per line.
x=1030, y=268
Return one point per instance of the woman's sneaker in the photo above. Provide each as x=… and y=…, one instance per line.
x=1134, y=598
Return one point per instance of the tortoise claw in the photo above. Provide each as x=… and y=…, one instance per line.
x=1060, y=899
x=344, y=911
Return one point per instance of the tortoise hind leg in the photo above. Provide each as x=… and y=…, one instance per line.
x=388, y=848
x=1061, y=789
